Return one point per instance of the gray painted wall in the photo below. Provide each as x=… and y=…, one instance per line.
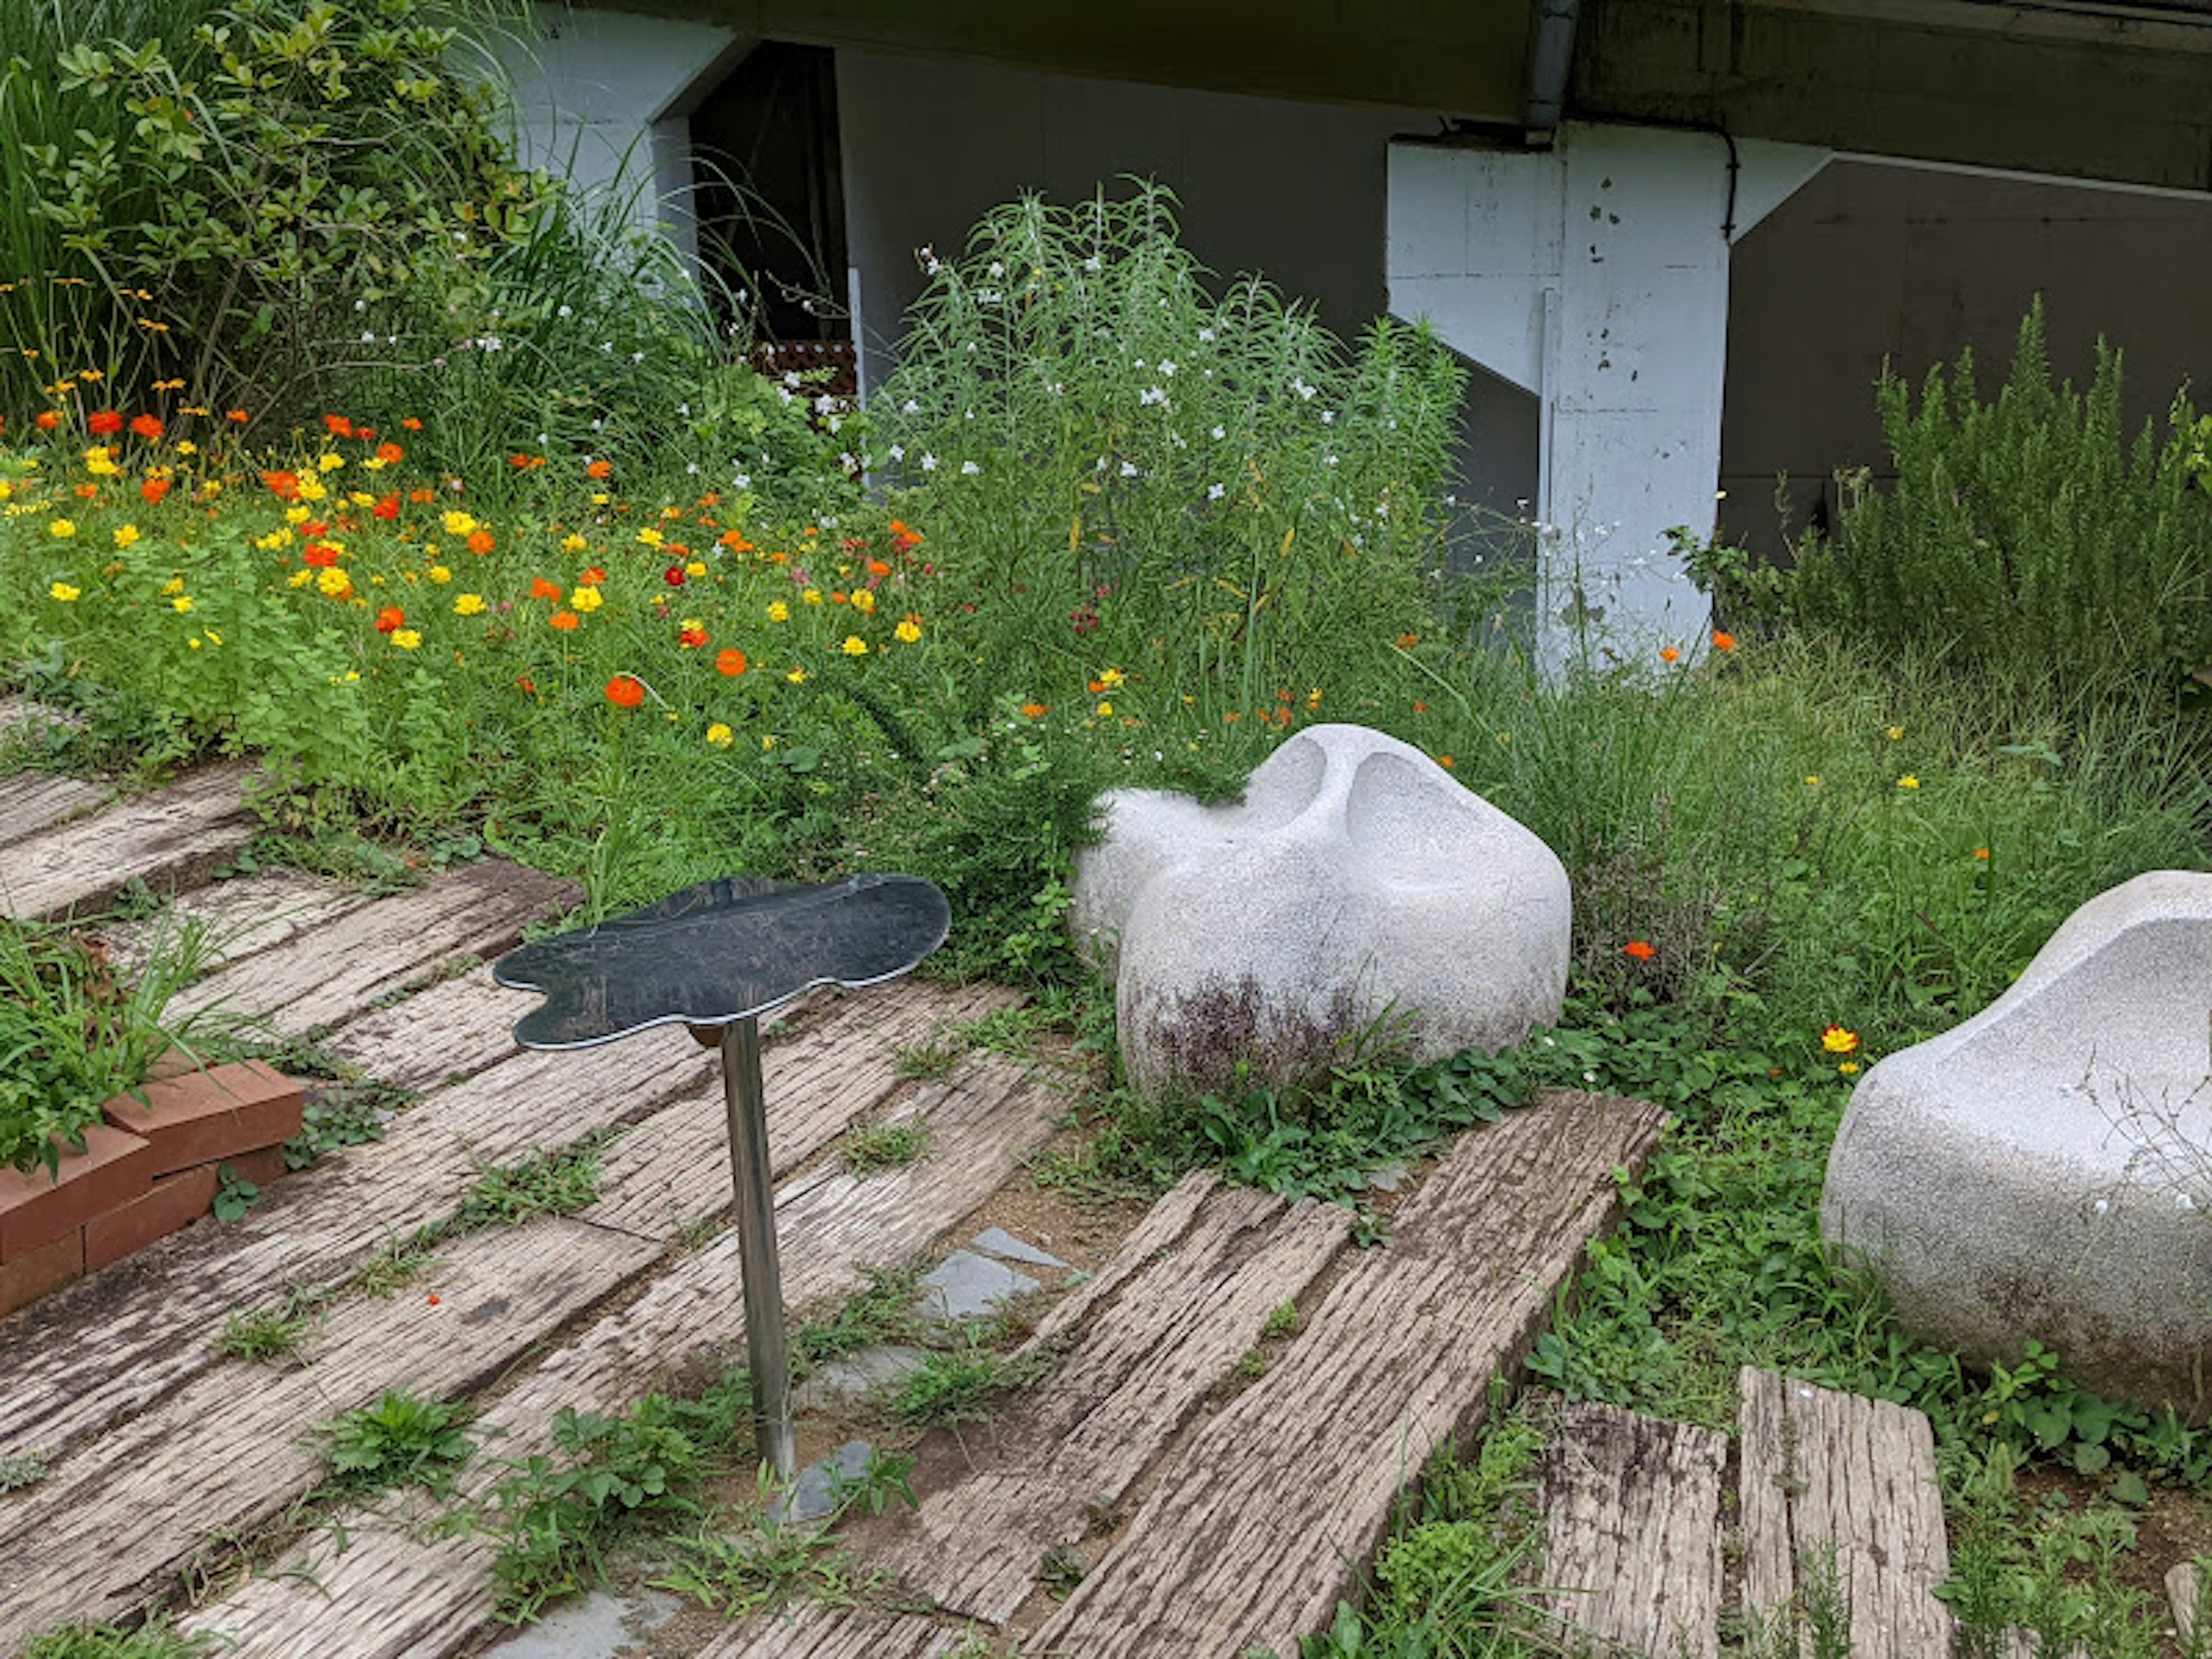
x=1292, y=190
x=1872, y=262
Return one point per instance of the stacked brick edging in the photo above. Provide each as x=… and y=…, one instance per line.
x=148, y=1170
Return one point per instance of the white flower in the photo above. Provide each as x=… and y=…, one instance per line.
x=898, y=452
x=680, y=409
x=969, y=470
x=691, y=467
x=1151, y=394
x=1092, y=263
x=909, y=407
x=1302, y=389
x=360, y=305
x=637, y=356
x=1167, y=366
x=1329, y=417
x=564, y=311
x=997, y=270
x=368, y=336
x=1220, y=432
x=791, y=377
x=929, y=463
x=1128, y=469
x=1328, y=461
x=744, y=481
x=847, y=461
x=1215, y=492
x=1204, y=336
x=824, y=404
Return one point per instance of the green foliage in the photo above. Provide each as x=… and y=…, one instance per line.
x=761, y=1571
x=556, y=1516
x=882, y=1310
x=346, y=1115
x=2027, y=538
x=265, y=1336
x=74, y=1032
x=562, y=1181
x=157, y=1638
x=872, y=1148
x=234, y=1194
x=21, y=1471
x=399, y=1441
x=953, y=1385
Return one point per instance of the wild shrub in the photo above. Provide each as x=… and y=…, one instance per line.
x=2027, y=537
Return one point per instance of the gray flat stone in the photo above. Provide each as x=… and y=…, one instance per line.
x=600, y=1626
x=965, y=1285
x=998, y=1242
x=813, y=1495
x=860, y=1373
x=1389, y=1177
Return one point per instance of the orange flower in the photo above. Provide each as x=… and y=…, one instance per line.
x=1668, y=653
x=735, y=541
x=592, y=577
x=284, y=486
x=48, y=420
x=1981, y=853
x=387, y=509
x=1034, y=710
x=624, y=692
x=391, y=619
x=480, y=541
x=106, y=422
x=390, y=453
x=541, y=589
x=1444, y=761
x=566, y=621
x=236, y=416
x=691, y=636
x=153, y=490
x=319, y=555
x=731, y=661
x=1407, y=641
x=88, y=491
x=1641, y=949
x=878, y=568
x=598, y=469
x=339, y=426
x=1419, y=708
x=148, y=426
x=421, y=495
x=1723, y=641
x=413, y=425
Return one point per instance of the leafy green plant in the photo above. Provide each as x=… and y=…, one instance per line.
x=348, y=1114
x=953, y=1386
x=234, y=1194
x=157, y=1638
x=399, y=1440
x=22, y=1470
x=508, y=1195
x=765, y=1570
x=265, y=1335
x=870, y=1149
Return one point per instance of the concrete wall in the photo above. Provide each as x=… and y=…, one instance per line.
x=1873, y=263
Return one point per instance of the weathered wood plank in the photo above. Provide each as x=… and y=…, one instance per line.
x=1257, y=1524
x=811, y=1631
x=115, y=1342
x=1632, y=1510
x=170, y=840
x=240, y=918
x=326, y=973
x=23, y=719
x=1839, y=1482
x=813, y=1090
x=1188, y=1299
x=115, y=1523
x=31, y=802
x=391, y=1595
x=441, y=1036
x=2184, y=1594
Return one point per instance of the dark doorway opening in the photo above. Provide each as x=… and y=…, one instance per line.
x=770, y=202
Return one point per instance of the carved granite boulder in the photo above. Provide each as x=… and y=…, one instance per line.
x=1357, y=892
x=2044, y=1171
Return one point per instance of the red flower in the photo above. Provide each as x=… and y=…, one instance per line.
x=387, y=509
x=1641, y=949
x=153, y=490
x=691, y=638
x=526, y=683
x=105, y=422
x=148, y=426
x=624, y=692
x=731, y=661
x=391, y=619
x=340, y=427
x=319, y=555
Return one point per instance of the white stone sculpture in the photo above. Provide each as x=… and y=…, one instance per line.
x=2044, y=1171
x=1359, y=891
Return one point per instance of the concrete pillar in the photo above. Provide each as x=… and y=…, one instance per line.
x=604, y=97
x=1595, y=274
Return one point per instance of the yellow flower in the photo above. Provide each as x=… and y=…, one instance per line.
x=1110, y=678
x=649, y=536
x=439, y=574
x=1908, y=781
x=586, y=598
x=812, y=596
x=182, y=603
x=407, y=639
x=333, y=583
x=1849, y=1068
x=174, y=585
x=572, y=542
x=186, y=446
x=1104, y=710
x=599, y=498
x=98, y=462
x=797, y=677
x=63, y=591
x=854, y=645
x=194, y=641
x=63, y=528
x=697, y=567
x=362, y=497
x=907, y=631
x=469, y=605
x=126, y=534
x=1839, y=1040
x=1894, y=734
x=768, y=741
x=213, y=638
x=7, y=491
x=720, y=735
x=327, y=462
x=296, y=514
x=864, y=602
x=671, y=511
x=1811, y=780
x=311, y=489
x=460, y=524
x=779, y=611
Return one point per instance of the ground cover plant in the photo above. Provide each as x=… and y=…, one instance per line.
x=599, y=598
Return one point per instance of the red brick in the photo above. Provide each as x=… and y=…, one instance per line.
x=36, y=1209
x=175, y=1201
x=260, y=1168
x=34, y=1273
x=201, y=1117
